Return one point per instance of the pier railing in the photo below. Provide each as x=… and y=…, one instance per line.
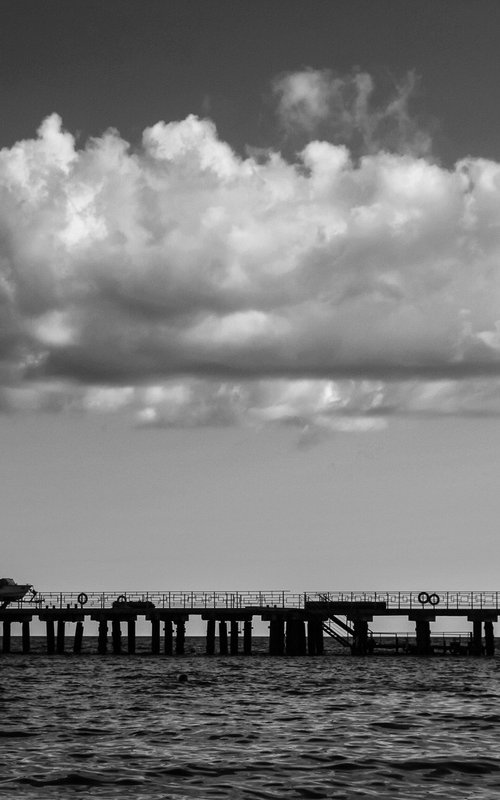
x=394, y=600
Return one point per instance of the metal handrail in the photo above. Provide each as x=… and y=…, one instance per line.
x=279, y=598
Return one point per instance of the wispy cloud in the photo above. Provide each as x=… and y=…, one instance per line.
x=194, y=286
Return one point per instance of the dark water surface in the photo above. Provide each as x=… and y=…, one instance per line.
x=249, y=727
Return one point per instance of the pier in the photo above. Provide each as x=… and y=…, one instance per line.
x=298, y=623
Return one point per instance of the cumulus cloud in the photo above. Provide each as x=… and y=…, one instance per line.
x=350, y=109
x=195, y=287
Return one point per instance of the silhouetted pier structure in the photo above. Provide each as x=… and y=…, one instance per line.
x=298, y=622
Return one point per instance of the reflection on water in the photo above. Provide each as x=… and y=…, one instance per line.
x=249, y=727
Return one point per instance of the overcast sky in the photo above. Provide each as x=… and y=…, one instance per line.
x=250, y=294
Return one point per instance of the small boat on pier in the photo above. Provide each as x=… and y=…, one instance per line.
x=10, y=591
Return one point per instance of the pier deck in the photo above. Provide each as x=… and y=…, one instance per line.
x=298, y=622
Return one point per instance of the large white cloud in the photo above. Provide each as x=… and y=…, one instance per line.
x=199, y=287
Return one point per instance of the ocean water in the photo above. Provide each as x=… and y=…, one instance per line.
x=249, y=727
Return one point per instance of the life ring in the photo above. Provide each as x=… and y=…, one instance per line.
x=423, y=597
x=82, y=598
x=121, y=599
x=434, y=599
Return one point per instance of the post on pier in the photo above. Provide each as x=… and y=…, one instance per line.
x=61, y=626
x=116, y=636
x=168, y=637
x=180, y=637
x=155, y=636
x=223, y=637
x=50, y=637
x=77, y=643
x=26, y=636
x=234, y=638
x=131, y=636
x=102, y=641
x=6, y=636
x=210, y=644
x=247, y=637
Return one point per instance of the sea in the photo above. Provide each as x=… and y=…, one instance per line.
x=248, y=727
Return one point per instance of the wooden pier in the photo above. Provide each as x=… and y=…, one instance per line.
x=298, y=624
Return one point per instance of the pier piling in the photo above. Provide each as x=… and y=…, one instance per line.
x=297, y=622
x=477, y=638
x=26, y=636
x=116, y=636
x=277, y=636
x=315, y=636
x=102, y=641
x=51, y=639
x=6, y=636
x=60, y=636
x=234, y=638
x=131, y=636
x=247, y=637
x=210, y=646
x=168, y=638
x=155, y=636
x=77, y=643
x=489, y=640
x=360, y=638
x=223, y=637
x=180, y=639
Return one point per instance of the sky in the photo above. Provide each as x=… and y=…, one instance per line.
x=250, y=294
